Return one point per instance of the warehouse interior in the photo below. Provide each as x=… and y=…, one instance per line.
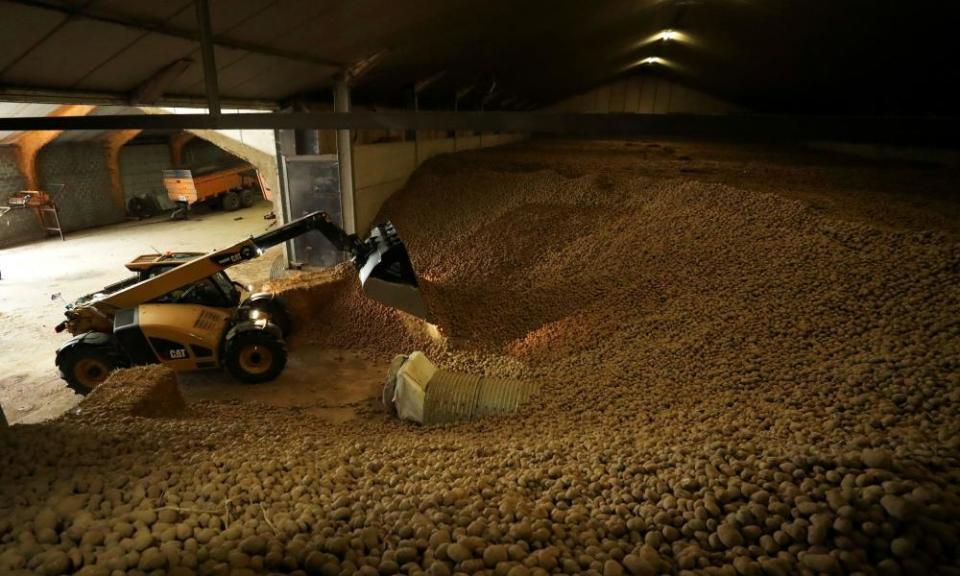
x=628, y=287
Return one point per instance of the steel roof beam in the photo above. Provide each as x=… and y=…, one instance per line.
x=100, y=98
x=938, y=131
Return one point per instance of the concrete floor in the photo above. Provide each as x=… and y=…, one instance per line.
x=33, y=274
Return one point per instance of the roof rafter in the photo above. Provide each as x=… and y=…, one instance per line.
x=163, y=28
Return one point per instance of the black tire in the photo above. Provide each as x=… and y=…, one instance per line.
x=247, y=198
x=86, y=366
x=254, y=356
x=230, y=201
x=276, y=308
x=141, y=207
x=135, y=207
x=150, y=206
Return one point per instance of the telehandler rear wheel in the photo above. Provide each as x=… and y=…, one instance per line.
x=86, y=366
x=255, y=356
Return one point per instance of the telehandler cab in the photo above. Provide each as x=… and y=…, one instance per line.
x=182, y=310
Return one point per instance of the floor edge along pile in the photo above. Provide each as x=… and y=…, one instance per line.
x=745, y=364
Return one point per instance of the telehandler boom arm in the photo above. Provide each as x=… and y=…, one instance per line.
x=313, y=221
x=382, y=262
x=209, y=264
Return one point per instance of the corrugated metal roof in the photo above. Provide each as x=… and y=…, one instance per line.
x=771, y=55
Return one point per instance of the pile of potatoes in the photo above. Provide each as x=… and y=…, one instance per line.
x=732, y=383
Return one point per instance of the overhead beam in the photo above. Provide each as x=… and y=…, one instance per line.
x=100, y=98
x=937, y=131
x=166, y=29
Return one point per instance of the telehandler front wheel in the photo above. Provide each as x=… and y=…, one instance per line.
x=86, y=366
x=254, y=356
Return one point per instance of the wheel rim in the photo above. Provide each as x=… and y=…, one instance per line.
x=256, y=359
x=90, y=372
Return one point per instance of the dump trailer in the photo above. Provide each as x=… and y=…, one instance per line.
x=182, y=310
x=228, y=186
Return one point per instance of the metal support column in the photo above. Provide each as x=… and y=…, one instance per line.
x=416, y=134
x=307, y=141
x=341, y=103
x=281, y=200
x=206, y=51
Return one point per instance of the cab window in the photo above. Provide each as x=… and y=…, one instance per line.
x=205, y=293
x=155, y=271
x=227, y=287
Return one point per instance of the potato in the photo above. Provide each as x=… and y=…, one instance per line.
x=732, y=380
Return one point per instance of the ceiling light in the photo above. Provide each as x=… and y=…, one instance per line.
x=668, y=35
x=652, y=61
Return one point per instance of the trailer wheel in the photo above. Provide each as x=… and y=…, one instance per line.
x=230, y=201
x=254, y=356
x=247, y=198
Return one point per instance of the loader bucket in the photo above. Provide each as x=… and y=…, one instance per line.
x=387, y=276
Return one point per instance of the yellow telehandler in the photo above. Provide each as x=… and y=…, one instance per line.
x=182, y=310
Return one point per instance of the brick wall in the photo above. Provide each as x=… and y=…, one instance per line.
x=85, y=201
x=82, y=166
x=11, y=180
x=141, y=171
x=16, y=226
